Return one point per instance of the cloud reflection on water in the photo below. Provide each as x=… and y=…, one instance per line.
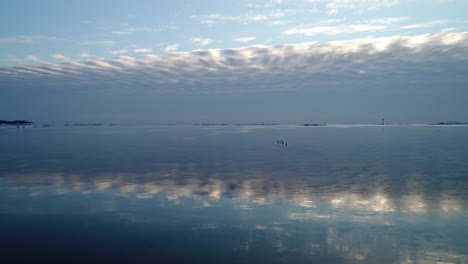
x=364, y=227
x=319, y=202
x=264, y=189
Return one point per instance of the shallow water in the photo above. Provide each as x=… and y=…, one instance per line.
x=229, y=194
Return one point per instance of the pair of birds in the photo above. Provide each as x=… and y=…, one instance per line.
x=281, y=142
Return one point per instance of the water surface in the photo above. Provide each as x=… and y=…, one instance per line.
x=229, y=194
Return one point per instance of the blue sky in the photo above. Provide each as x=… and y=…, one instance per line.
x=172, y=50
x=54, y=31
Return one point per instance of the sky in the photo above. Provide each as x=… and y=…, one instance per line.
x=304, y=61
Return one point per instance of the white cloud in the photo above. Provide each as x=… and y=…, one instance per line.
x=33, y=39
x=143, y=50
x=84, y=55
x=277, y=22
x=279, y=13
x=26, y=40
x=332, y=30
x=447, y=29
x=440, y=58
x=121, y=33
x=13, y=58
x=331, y=21
x=32, y=58
x=333, y=11
x=99, y=42
x=322, y=28
x=426, y=25
x=217, y=18
x=209, y=21
x=258, y=17
x=171, y=48
x=202, y=41
x=269, y=4
x=360, y=6
x=59, y=56
x=160, y=28
x=115, y=52
x=245, y=39
x=388, y=20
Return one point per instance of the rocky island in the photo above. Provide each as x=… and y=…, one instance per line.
x=449, y=123
x=20, y=124
x=313, y=125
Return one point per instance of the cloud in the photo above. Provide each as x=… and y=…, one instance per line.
x=447, y=29
x=32, y=58
x=388, y=20
x=245, y=39
x=332, y=30
x=398, y=61
x=426, y=25
x=13, y=58
x=115, y=52
x=121, y=32
x=202, y=41
x=84, y=55
x=22, y=39
x=277, y=22
x=258, y=17
x=59, y=57
x=99, y=42
x=159, y=28
x=171, y=48
x=144, y=50
x=34, y=39
x=331, y=21
x=321, y=28
x=217, y=18
x=360, y=6
x=270, y=3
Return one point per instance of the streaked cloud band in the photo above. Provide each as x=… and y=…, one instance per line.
x=441, y=57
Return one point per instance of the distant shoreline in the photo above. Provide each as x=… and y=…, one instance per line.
x=30, y=124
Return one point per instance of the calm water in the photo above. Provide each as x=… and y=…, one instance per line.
x=229, y=194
